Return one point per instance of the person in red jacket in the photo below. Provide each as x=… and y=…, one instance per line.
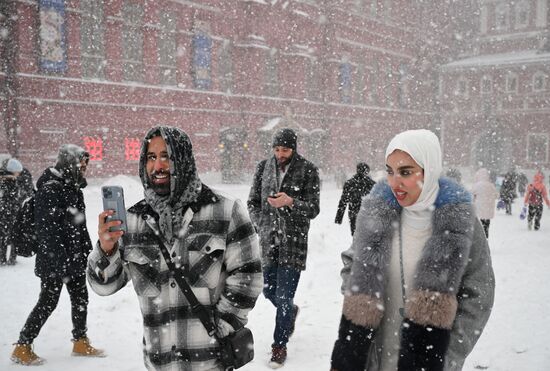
x=535, y=194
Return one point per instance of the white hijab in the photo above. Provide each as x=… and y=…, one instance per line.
x=423, y=146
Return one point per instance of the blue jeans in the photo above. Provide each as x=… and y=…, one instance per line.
x=280, y=285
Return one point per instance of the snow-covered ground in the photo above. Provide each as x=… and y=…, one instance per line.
x=516, y=337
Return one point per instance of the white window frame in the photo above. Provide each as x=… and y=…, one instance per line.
x=522, y=6
x=538, y=135
x=539, y=74
x=509, y=76
x=502, y=9
x=481, y=84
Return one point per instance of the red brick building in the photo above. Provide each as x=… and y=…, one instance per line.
x=348, y=74
x=495, y=98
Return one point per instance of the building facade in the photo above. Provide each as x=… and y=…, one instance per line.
x=346, y=74
x=495, y=97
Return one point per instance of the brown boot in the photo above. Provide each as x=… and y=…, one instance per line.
x=278, y=356
x=24, y=355
x=82, y=348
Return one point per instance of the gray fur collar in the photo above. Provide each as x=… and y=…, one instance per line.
x=432, y=300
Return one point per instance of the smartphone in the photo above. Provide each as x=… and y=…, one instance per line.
x=113, y=199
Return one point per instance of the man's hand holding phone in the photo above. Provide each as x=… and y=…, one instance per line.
x=107, y=238
x=280, y=199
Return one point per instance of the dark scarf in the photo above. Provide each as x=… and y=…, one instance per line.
x=185, y=185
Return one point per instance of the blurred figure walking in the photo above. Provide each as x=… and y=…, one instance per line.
x=355, y=188
x=535, y=194
x=485, y=195
x=508, y=191
x=9, y=205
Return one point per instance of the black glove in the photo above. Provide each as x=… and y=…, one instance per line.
x=422, y=347
x=351, y=349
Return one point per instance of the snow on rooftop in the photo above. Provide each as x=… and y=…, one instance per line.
x=524, y=56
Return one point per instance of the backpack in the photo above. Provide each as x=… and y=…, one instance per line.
x=535, y=197
x=23, y=239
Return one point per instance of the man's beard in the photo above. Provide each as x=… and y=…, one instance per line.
x=283, y=162
x=160, y=189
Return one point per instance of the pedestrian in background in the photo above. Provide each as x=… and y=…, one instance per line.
x=61, y=258
x=355, y=188
x=485, y=196
x=283, y=199
x=508, y=190
x=9, y=205
x=534, y=196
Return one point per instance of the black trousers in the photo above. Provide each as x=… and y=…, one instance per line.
x=485, y=223
x=47, y=302
x=535, y=212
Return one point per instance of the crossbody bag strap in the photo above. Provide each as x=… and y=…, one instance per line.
x=196, y=307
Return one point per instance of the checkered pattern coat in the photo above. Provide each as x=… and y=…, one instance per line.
x=284, y=231
x=220, y=254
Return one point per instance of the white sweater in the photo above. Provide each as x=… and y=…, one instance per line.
x=416, y=232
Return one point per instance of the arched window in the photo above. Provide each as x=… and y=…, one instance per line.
x=539, y=81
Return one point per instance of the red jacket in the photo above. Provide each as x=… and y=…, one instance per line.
x=537, y=185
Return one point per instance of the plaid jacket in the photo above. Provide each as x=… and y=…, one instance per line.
x=284, y=231
x=220, y=255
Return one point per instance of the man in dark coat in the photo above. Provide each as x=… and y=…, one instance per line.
x=508, y=190
x=355, y=188
x=61, y=259
x=283, y=199
x=8, y=207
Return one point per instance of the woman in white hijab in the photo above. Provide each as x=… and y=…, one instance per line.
x=418, y=280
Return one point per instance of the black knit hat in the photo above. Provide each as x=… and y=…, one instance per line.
x=363, y=168
x=285, y=138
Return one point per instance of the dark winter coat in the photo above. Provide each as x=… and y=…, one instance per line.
x=8, y=201
x=287, y=227
x=25, y=185
x=508, y=187
x=218, y=248
x=450, y=301
x=64, y=242
x=354, y=190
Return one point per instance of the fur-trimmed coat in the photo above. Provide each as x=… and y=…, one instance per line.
x=450, y=300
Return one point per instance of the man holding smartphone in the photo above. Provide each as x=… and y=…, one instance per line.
x=283, y=199
x=64, y=245
x=209, y=237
